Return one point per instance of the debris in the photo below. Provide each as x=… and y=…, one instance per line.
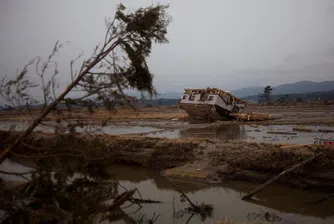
x=322, y=199
x=281, y=133
x=302, y=129
x=325, y=130
x=295, y=146
x=267, y=216
x=144, y=201
x=252, y=116
x=249, y=195
x=174, y=119
x=203, y=209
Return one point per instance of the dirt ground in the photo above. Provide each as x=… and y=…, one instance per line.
x=293, y=114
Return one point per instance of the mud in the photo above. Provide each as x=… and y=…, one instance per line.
x=302, y=113
x=209, y=160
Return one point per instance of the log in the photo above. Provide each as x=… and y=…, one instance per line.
x=297, y=145
x=256, y=190
x=281, y=133
x=195, y=207
x=302, y=129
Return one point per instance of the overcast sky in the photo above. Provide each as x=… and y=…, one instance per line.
x=223, y=43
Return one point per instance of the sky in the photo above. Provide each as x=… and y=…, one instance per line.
x=227, y=44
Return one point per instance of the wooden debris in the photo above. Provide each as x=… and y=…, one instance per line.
x=252, y=116
x=302, y=129
x=183, y=194
x=281, y=133
x=256, y=190
x=325, y=130
x=296, y=146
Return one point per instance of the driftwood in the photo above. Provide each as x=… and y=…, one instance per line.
x=297, y=146
x=204, y=210
x=120, y=200
x=256, y=190
x=281, y=133
x=302, y=129
x=195, y=207
x=144, y=201
x=252, y=116
x=322, y=199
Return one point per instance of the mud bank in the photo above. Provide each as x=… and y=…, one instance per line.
x=202, y=159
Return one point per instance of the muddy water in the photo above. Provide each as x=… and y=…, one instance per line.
x=170, y=129
x=254, y=133
x=111, y=129
x=287, y=203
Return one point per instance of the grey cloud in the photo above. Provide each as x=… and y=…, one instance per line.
x=223, y=43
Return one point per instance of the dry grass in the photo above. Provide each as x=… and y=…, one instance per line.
x=232, y=160
x=158, y=153
x=165, y=113
x=270, y=158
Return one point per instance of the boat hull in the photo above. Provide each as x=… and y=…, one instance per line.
x=205, y=111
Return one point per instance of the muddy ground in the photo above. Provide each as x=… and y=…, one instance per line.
x=193, y=152
x=197, y=159
x=292, y=114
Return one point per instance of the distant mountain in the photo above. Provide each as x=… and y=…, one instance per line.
x=289, y=88
x=293, y=97
x=170, y=95
x=247, y=91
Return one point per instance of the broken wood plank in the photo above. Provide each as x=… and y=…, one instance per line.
x=302, y=129
x=281, y=133
x=262, y=186
x=296, y=146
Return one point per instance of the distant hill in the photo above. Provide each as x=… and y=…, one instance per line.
x=293, y=97
x=289, y=88
x=170, y=95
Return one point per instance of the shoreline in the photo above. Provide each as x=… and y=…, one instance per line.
x=203, y=160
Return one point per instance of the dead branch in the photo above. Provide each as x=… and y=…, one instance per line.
x=256, y=190
x=144, y=201
x=120, y=200
x=195, y=207
x=321, y=199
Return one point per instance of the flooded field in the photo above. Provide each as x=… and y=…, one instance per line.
x=256, y=133
x=111, y=129
x=288, y=204
x=280, y=134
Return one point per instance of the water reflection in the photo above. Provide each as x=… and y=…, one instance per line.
x=279, y=198
x=224, y=132
x=288, y=203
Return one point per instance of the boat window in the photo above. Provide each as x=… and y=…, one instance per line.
x=184, y=97
x=210, y=98
x=192, y=97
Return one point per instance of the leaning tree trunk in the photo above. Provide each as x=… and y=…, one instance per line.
x=53, y=105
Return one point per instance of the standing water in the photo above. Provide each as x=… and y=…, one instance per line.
x=287, y=204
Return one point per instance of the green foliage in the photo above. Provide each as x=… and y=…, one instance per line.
x=265, y=96
x=16, y=91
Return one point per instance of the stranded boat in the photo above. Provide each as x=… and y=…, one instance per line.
x=210, y=103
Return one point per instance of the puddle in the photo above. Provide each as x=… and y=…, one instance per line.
x=237, y=132
x=110, y=129
x=287, y=203
x=253, y=133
